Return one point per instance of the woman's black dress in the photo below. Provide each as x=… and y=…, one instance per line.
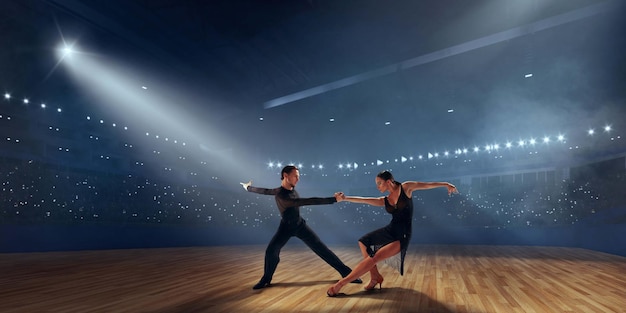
x=398, y=229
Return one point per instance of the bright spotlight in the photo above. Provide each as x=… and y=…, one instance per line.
x=607, y=128
x=7, y=96
x=590, y=132
x=521, y=143
x=561, y=138
x=65, y=51
x=508, y=145
x=546, y=139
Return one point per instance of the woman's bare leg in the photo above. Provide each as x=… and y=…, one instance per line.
x=366, y=265
x=375, y=276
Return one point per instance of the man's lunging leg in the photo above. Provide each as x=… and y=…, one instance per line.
x=272, y=255
x=306, y=234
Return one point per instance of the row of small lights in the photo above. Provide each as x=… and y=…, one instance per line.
x=435, y=155
x=26, y=101
x=353, y=165
x=7, y=96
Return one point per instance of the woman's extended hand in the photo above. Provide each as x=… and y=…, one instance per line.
x=451, y=189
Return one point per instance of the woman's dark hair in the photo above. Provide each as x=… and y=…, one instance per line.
x=386, y=175
x=286, y=170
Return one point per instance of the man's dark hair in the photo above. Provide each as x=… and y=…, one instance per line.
x=287, y=170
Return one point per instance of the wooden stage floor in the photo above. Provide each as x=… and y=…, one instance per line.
x=219, y=279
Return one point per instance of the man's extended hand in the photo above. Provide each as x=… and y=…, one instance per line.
x=246, y=185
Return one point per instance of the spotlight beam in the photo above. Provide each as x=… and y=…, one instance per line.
x=113, y=87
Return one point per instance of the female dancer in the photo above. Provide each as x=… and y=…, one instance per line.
x=392, y=239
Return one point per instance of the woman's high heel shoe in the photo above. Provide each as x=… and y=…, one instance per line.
x=332, y=292
x=372, y=285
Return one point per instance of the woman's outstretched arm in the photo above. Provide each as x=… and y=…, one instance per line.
x=380, y=201
x=411, y=186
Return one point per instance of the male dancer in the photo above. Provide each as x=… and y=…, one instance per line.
x=292, y=224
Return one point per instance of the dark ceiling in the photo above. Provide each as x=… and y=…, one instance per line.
x=387, y=72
